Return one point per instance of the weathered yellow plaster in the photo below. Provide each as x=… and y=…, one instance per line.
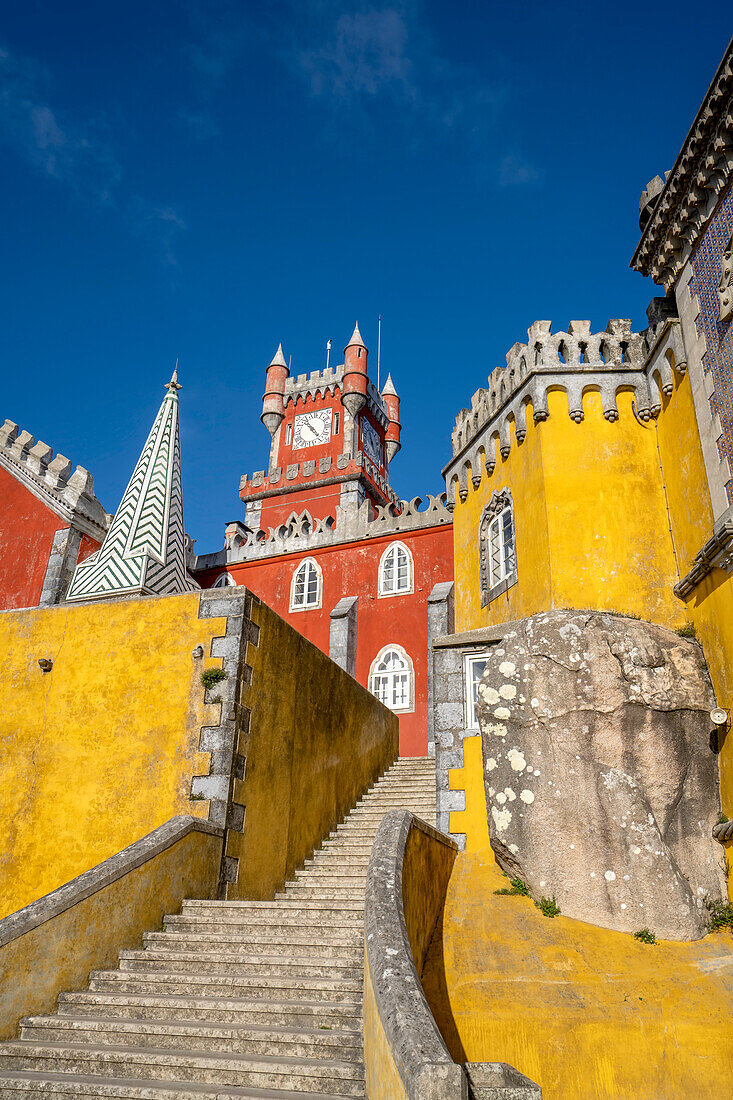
x=317, y=740
x=581, y=1010
x=473, y=821
x=102, y=749
x=590, y=515
x=59, y=954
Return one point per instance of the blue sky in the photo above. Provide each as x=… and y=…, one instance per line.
x=203, y=180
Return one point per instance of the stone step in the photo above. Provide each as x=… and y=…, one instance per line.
x=314, y=893
x=344, y=1016
x=213, y=962
x=192, y=1035
x=292, y=938
x=344, y=910
x=27, y=1085
x=316, y=876
x=154, y=981
x=341, y=1078
x=317, y=931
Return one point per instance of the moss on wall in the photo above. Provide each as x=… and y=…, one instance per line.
x=317, y=740
x=102, y=749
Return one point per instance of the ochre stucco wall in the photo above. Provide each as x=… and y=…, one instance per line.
x=590, y=515
x=317, y=740
x=101, y=750
x=580, y=1010
x=473, y=821
x=59, y=954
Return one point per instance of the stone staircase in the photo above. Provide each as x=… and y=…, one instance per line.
x=231, y=999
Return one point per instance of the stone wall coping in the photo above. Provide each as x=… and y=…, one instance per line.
x=104, y=874
x=408, y=1023
x=482, y=636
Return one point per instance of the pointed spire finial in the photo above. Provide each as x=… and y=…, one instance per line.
x=278, y=359
x=356, y=337
x=173, y=385
x=389, y=387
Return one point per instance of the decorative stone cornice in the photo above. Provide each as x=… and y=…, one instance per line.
x=573, y=361
x=692, y=188
x=301, y=533
x=50, y=480
x=717, y=553
x=280, y=479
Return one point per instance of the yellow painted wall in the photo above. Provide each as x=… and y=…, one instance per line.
x=591, y=521
x=473, y=821
x=583, y=1011
x=59, y=954
x=383, y=1081
x=101, y=750
x=317, y=741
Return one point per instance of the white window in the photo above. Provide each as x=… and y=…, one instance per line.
x=395, y=570
x=473, y=669
x=224, y=580
x=306, y=588
x=497, y=547
x=501, y=547
x=391, y=678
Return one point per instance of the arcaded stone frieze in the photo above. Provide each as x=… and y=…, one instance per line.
x=321, y=383
x=601, y=779
x=302, y=533
x=279, y=478
x=692, y=188
x=50, y=478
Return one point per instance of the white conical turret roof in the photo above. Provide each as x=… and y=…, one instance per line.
x=389, y=389
x=144, y=551
x=356, y=337
x=278, y=359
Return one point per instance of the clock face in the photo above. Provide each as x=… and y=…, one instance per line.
x=312, y=428
x=370, y=441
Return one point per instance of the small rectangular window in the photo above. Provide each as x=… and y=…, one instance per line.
x=336, y=422
x=288, y=433
x=473, y=669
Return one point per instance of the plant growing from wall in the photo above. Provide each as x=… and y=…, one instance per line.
x=686, y=631
x=548, y=906
x=721, y=915
x=516, y=886
x=645, y=936
x=211, y=676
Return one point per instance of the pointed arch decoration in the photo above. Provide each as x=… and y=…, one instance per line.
x=497, y=546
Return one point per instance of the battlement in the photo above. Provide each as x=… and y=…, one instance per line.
x=574, y=361
x=321, y=383
x=50, y=477
x=302, y=533
x=280, y=478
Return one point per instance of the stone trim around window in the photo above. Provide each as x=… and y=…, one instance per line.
x=500, y=499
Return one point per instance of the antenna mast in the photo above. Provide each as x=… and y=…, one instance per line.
x=379, y=349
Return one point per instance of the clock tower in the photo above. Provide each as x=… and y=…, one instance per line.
x=333, y=436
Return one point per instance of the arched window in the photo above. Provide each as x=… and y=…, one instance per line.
x=391, y=678
x=224, y=580
x=396, y=570
x=497, y=547
x=307, y=587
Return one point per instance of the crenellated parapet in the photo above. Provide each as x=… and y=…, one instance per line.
x=301, y=533
x=67, y=491
x=574, y=362
x=329, y=382
x=283, y=479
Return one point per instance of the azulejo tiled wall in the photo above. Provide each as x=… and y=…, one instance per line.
x=706, y=265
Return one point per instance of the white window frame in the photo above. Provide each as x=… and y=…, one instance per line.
x=409, y=671
x=301, y=604
x=394, y=549
x=224, y=580
x=497, y=577
x=469, y=679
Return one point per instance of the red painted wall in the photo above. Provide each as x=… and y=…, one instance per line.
x=352, y=570
x=27, y=528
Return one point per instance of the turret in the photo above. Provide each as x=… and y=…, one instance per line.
x=273, y=403
x=354, y=391
x=392, y=435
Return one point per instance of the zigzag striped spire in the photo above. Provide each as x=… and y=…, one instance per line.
x=144, y=550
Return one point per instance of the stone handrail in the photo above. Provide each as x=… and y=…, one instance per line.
x=53, y=943
x=405, y=1055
